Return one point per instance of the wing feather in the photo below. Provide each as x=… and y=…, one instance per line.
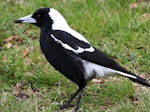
x=85, y=51
x=69, y=42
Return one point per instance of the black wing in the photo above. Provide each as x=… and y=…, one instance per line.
x=102, y=59
x=70, y=40
x=96, y=56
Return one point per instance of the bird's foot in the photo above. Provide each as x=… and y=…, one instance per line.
x=66, y=105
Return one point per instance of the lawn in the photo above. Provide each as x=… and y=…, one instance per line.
x=119, y=28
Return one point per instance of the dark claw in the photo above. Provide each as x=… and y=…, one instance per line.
x=66, y=105
x=76, y=108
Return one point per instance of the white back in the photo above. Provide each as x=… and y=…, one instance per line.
x=59, y=23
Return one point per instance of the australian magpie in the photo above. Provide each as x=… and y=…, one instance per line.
x=71, y=54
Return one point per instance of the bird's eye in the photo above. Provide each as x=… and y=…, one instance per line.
x=38, y=16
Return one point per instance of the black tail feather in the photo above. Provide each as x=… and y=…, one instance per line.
x=132, y=76
x=140, y=80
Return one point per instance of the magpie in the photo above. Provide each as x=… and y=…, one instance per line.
x=71, y=54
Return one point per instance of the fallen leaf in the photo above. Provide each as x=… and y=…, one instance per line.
x=22, y=96
x=133, y=5
x=13, y=38
x=26, y=51
x=146, y=15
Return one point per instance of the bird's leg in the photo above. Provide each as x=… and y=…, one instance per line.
x=78, y=100
x=67, y=104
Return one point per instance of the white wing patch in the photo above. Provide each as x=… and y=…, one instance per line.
x=66, y=46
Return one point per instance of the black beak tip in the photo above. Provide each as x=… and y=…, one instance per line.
x=17, y=21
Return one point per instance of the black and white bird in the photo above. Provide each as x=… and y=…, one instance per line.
x=71, y=54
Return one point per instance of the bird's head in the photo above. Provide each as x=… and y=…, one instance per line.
x=45, y=17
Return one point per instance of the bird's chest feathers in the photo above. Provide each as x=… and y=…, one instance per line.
x=47, y=43
x=52, y=50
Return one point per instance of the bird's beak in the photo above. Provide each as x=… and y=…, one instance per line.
x=26, y=19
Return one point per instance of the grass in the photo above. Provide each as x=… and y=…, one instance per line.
x=109, y=25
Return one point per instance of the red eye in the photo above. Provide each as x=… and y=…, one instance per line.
x=38, y=16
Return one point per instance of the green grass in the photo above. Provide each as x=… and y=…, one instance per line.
x=109, y=25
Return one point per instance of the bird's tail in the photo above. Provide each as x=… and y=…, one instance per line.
x=135, y=78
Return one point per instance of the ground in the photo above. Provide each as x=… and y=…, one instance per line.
x=118, y=28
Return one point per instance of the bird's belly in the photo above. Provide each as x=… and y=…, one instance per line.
x=93, y=70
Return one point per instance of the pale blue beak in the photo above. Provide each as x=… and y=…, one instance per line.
x=26, y=19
